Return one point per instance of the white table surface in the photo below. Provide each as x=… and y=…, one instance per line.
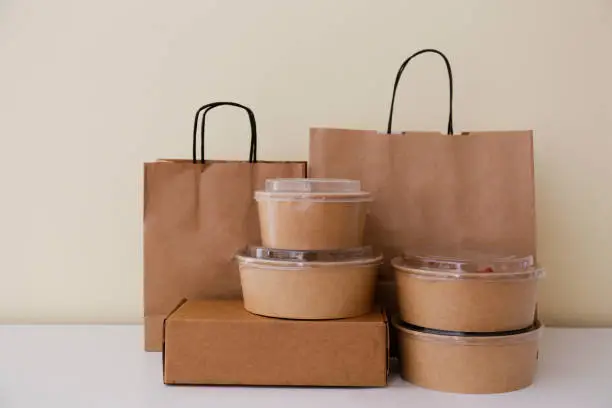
x=105, y=366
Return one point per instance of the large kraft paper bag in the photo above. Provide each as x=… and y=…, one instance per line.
x=197, y=215
x=436, y=192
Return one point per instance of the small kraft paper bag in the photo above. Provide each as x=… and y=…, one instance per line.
x=435, y=192
x=197, y=215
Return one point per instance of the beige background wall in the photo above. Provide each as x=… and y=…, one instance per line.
x=91, y=89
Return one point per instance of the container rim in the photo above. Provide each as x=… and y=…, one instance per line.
x=456, y=270
x=532, y=332
x=329, y=197
x=312, y=189
x=360, y=256
x=312, y=185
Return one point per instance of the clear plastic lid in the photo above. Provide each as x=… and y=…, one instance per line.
x=313, y=189
x=530, y=333
x=313, y=185
x=469, y=265
x=353, y=256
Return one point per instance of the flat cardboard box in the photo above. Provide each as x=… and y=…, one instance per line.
x=218, y=342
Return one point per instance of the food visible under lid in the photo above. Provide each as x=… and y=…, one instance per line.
x=360, y=255
x=313, y=189
x=469, y=265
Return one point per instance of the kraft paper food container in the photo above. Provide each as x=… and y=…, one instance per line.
x=472, y=294
x=468, y=363
x=308, y=284
x=312, y=214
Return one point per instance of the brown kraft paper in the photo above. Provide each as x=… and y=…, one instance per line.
x=471, y=305
x=196, y=217
x=297, y=290
x=434, y=192
x=219, y=342
x=469, y=365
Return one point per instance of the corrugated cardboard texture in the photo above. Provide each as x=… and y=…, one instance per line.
x=218, y=342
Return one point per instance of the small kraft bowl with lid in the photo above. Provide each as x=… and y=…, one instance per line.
x=308, y=284
x=471, y=293
x=468, y=363
x=307, y=214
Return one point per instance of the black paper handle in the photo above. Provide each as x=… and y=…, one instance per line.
x=204, y=110
x=450, y=81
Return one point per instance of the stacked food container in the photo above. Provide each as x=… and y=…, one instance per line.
x=312, y=263
x=467, y=322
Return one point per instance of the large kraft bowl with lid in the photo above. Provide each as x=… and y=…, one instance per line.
x=308, y=284
x=471, y=293
x=308, y=214
x=467, y=362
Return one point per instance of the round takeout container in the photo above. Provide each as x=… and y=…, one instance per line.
x=468, y=363
x=308, y=284
x=312, y=214
x=472, y=293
